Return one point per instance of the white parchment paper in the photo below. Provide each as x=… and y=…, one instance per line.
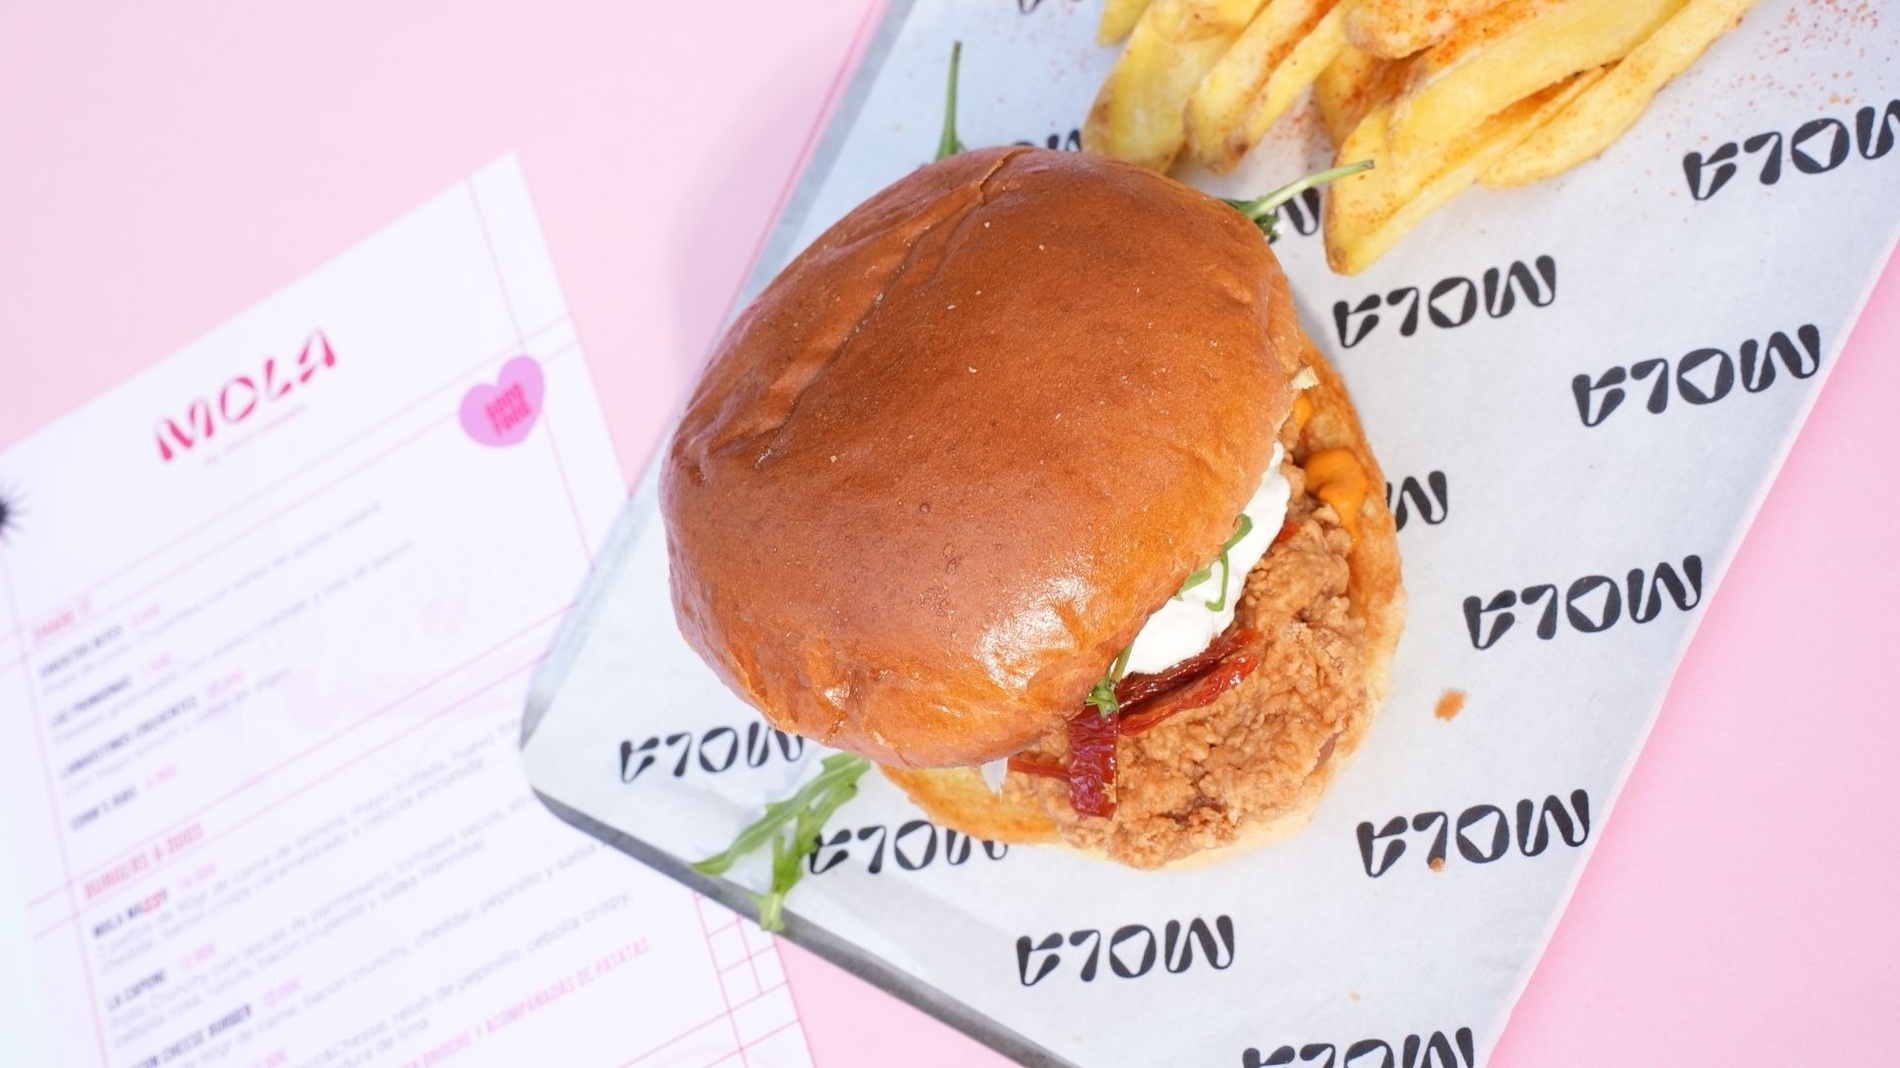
x=1580, y=391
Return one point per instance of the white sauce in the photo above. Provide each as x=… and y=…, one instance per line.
x=1185, y=625
x=993, y=773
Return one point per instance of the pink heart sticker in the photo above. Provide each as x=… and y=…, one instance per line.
x=502, y=414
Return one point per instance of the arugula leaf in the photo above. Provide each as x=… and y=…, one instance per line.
x=1103, y=695
x=1265, y=211
x=1194, y=580
x=948, y=145
x=807, y=811
x=1242, y=526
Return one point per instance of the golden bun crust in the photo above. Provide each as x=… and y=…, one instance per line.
x=958, y=797
x=945, y=466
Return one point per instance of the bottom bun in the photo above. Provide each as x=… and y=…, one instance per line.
x=1250, y=768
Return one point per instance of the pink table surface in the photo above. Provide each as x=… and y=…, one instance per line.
x=164, y=166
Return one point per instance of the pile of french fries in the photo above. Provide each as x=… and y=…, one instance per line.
x=1437, y=93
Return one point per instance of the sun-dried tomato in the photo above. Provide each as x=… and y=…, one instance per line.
x=1202, y=691
x=1135, y=689
x=1092, y=763
x=1031, y=765
x=1146, y=700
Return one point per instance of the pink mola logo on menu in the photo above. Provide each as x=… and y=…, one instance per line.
x=242, y=396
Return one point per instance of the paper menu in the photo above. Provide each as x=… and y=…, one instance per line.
x=270, y=609
x=1579, y=391
x=22, y=1004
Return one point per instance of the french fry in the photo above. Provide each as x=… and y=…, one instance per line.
x=1365, y=216
x=1505, y=55
x=1291, y=78
x=1609, y=108
x=1221, y=106
x=1138, y=114
x=1349, y=87
x=1441, y=94
x=1118, y=19
x=1394, y=29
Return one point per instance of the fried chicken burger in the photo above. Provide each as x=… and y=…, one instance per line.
x=1024, y=482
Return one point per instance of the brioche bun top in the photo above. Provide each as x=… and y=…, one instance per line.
x=941, y=471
